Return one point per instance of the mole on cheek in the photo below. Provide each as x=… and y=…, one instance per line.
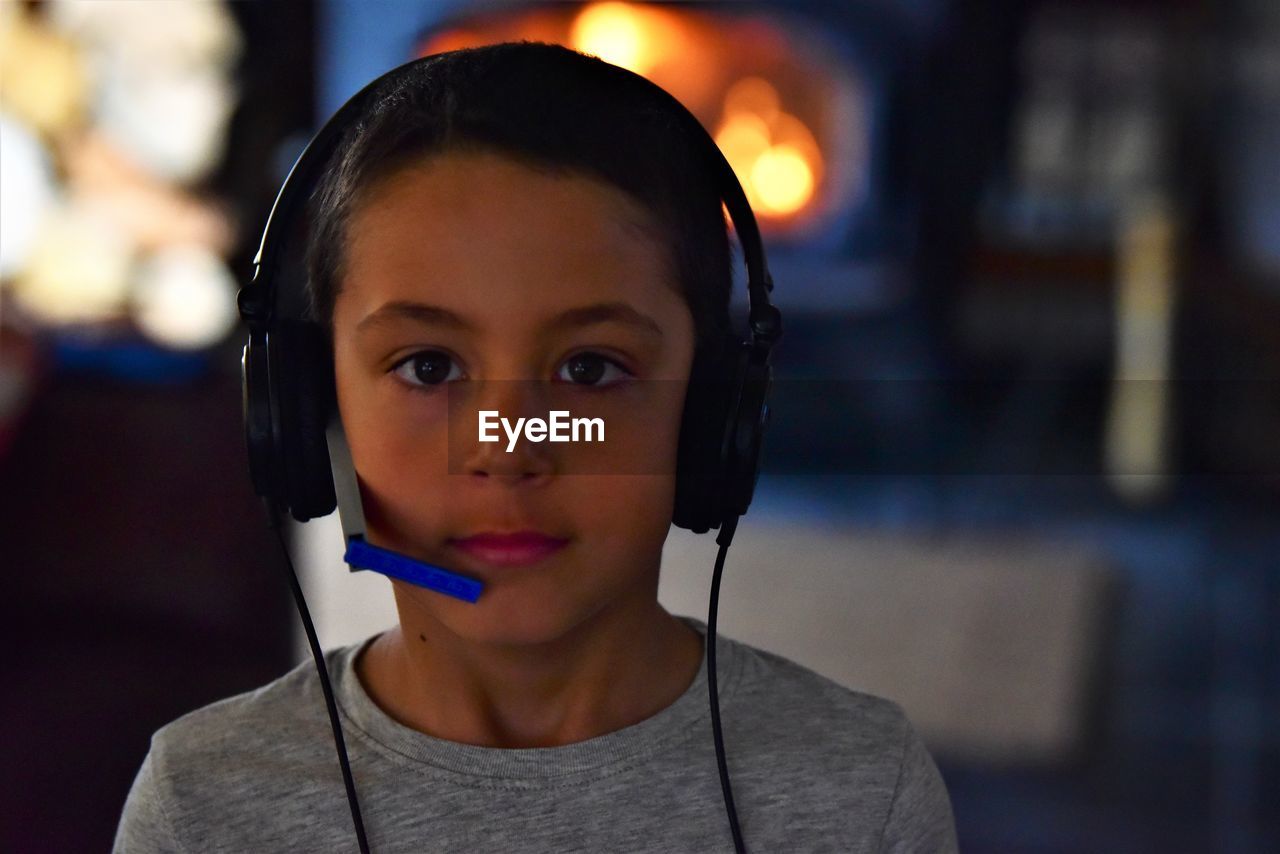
x=422, y=638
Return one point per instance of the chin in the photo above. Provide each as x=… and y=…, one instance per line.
x=507, y=617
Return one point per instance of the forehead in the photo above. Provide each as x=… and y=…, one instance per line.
x=480, y=231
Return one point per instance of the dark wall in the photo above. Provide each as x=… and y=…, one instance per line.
x=140, y=580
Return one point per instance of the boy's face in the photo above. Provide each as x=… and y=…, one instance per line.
x=507, y=250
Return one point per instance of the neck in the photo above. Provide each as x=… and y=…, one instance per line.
x=613, y=670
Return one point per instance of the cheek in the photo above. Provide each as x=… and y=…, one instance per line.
x=403, y=488
x=397, y=442
x=621, y=503
x=386, y=424
x=623, y=522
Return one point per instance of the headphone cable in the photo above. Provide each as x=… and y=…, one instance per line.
x=722, y=539
x=329, y=702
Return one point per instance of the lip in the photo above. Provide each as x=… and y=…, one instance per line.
x=521, y=548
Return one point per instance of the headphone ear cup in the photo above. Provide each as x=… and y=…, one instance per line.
x=302, y=379
x=708, y=413
x=746, y=432
x=260, y=426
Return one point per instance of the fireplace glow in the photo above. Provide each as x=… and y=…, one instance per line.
x=622, y=34
x=772, y=152
x=779, y=107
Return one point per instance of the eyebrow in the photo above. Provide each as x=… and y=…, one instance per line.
x=587, y=315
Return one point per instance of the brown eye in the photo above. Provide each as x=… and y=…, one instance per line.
x=590, y=368
x=428, y=368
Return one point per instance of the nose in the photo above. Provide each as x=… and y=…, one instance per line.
x=506, y=401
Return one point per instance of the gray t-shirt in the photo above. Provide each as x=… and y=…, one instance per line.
x=814, y=767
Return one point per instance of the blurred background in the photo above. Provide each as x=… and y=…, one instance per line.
x=1024, y=470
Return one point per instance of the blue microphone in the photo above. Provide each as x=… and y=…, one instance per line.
x=361, y=554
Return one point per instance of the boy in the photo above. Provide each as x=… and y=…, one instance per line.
x=517, y=213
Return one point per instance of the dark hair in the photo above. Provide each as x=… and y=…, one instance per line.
x=550, y=108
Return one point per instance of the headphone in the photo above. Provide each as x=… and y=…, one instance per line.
x=290, y=402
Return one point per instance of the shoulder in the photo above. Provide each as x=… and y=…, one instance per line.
x=229, y=760
x=850, y=750
x=801, y=700
x=264, y=721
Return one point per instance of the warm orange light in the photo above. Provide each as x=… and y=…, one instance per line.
x=753, y=95
x=773, y=153
x=743, y=138
x=453, y=40
x=783, y=180
x=611, y=31
x=626, y=34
